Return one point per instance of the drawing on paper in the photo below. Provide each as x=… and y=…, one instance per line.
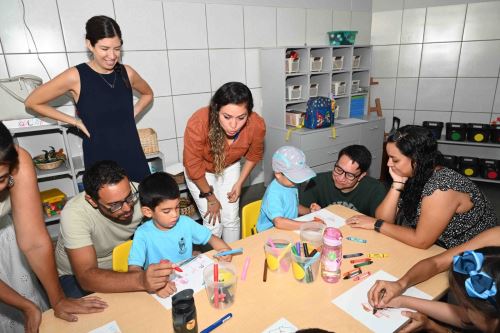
x=380, y=312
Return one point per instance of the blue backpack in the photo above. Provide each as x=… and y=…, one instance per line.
x=319, y=113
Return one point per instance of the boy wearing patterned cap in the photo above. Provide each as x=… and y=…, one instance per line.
x=280, y=204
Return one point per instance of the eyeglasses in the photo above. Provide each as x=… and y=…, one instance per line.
x=339, y=172
x=130, y=200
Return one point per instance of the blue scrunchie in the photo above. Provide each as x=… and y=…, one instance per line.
x=478, y=284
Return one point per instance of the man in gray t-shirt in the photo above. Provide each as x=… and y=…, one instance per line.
x=92, y=224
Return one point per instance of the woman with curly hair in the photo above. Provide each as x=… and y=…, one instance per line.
x=427, y=203
x=215, y=139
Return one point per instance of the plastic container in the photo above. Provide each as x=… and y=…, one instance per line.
x=338, y=63
x=356, y=61
x=338, y=88
x=342, y=37
x=355, y=86
x=436, y=127
x=331, y=255
x=489, y=169
x=478, y=132
x=292, y=65
x=316, y=64
x=456, y=131
x=53, y=201
x=468, y=166
x=495, y=133
x=184, y=312
x=451, y=162
x=293, y=92
x=313, y=89
x=221, y=291
x=294, y=118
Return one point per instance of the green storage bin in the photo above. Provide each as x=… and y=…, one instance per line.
x=342, y=37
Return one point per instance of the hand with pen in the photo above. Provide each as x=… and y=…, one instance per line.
x=379, y=299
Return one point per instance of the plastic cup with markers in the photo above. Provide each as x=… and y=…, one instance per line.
x=312, y=233
x=277, y=250
x=305, y=268
x=220, y=284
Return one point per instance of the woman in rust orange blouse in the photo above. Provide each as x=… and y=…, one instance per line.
x=215, y=139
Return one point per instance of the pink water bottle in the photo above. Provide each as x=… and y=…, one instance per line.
x=331, y=255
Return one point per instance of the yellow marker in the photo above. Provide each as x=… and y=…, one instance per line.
x=378, y=255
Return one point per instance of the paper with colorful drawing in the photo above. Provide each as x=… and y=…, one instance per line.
x=331, y=219
x=190, y=278
x=111, y=327
x=355, y=302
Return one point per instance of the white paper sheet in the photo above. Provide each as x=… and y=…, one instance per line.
x=191, y=278
x=331, y=219
x=355, y=303
x=281, y=326
x=348, y=121
x=111, y=327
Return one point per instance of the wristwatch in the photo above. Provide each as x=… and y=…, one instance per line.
x=378, y=225
x=207, y=194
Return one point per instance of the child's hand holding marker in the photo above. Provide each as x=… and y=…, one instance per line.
x=227, y=255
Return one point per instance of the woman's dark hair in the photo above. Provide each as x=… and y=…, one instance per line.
x=491, y=266
x=99, y=27
x=102, y=173
x=156, y=188
x=417, y=143
x=8, y=151
x=230, y=93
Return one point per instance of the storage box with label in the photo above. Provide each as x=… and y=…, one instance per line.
x=313, y=90
x=356, y=61
x=53, y=201
x=293, y=92
x=294, y=118
x=316, y=64
x=338, y=63
x=292, y=65
x=355, y=86
x=338, y=88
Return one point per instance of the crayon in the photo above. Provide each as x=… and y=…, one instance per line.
x=352, y=273
x=355, y=261
x=356, y=239
x=352, y=255
x=245, y=268
x=264, y=275
x=362, y=276
x=378, y=255
x=365, y=263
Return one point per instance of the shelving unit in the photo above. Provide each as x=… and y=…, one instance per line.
x=68, y=176
x=471, y=149
x=321, y=146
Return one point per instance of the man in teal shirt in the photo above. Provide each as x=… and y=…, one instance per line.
x=347, y=185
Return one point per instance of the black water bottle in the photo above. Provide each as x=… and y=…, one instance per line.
x=184, y=312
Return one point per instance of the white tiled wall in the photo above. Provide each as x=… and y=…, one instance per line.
x=184, y=49
x=437, y=60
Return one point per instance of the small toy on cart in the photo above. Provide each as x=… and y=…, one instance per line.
x=50, y=159
x=53, y=201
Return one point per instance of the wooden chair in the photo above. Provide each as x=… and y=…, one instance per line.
x=249, y=215
x=120, y=256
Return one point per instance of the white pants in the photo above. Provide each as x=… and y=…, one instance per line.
x=229, y=227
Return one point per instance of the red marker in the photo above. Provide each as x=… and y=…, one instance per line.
x=362, y=276
x=177, y=268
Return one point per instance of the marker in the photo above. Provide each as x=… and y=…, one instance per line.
x=365, y=263
x=355, y=261
x=313, y=253
x=186, y=261
x=245, y=269
x=178, y=269
x=216, y=282
x=264, y=275
x=362, y=276
x=378, y=255
x=356, y=239
x=352, y=255
x=381, y=295
x=217, y=323
x=229, y=252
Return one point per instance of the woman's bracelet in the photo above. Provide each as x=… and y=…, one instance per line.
x=397, y=188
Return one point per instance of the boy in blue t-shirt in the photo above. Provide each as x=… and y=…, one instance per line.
x=280, y=204
x=167, y=235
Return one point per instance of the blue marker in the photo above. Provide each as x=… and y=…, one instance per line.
x=217, y=323
x=228, y=252
x=356, y=239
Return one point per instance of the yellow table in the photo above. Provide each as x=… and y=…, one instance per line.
x=259, y=304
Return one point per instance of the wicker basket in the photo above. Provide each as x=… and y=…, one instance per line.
x=149, y=140
x=48, y=165
x=186, y=207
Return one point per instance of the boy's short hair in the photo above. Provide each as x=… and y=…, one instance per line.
x=157, y=187
x=291, y=162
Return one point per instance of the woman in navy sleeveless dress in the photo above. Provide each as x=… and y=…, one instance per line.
x=102, y=89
